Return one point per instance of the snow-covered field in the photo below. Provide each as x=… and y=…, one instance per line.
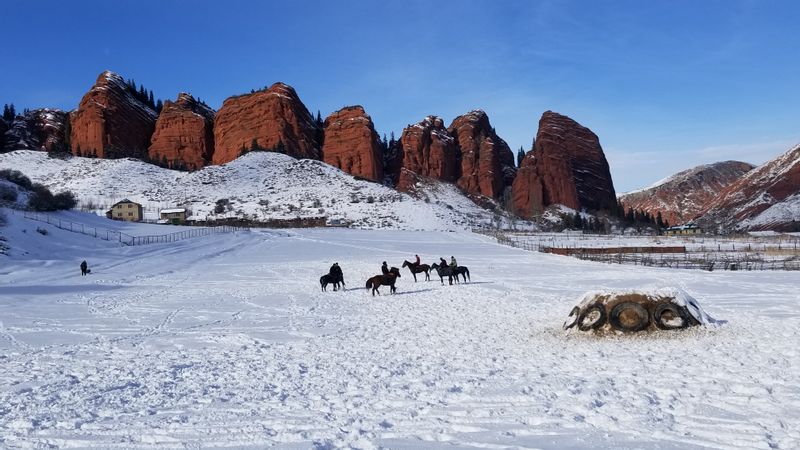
x=227, y=342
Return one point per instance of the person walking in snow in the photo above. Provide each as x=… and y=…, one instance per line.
x=84, y=268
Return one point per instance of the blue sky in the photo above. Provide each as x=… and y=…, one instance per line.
x=666, y=85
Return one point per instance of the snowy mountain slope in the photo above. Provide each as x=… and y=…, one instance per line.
x=768, y=197
x=684, y=195
x=259, y=185
x=228, y=343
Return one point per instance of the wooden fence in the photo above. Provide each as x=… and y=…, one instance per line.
x=124, y=238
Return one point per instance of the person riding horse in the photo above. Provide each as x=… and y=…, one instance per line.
x=416, y=260
x=336, y=273
x=453, y=263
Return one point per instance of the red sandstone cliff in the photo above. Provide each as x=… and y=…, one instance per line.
x=184, y=134
x=110, y=121
x=567, y=166
x=352, y=144
x=274, y=119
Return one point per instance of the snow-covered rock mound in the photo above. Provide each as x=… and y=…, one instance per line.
x=258, y=186
x=637, y=310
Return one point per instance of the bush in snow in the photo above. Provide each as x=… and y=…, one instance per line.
x=16, y=177
x=8, y=194
x=43, y=200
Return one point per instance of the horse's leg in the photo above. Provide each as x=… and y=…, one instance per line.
x=415, y=276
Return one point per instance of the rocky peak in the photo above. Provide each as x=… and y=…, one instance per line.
x=487, y=163
x=429, y=151
x=40, y=129
x=352, y=144
x=110, y=121
x=567, y=166
x=273, y=119
x=184, y=134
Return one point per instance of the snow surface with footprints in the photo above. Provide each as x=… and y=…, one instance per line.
x=228, y=342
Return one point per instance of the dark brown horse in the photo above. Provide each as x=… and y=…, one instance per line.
x=450, y=273
x=418, y=268
x=387, y=280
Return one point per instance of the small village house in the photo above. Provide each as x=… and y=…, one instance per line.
x=175, y=216
x=126, y=210
x=689, y=229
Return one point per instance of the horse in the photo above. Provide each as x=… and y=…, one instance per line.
x=418, y=268
x=450, y=273
x=327, y=279
x=387, y=280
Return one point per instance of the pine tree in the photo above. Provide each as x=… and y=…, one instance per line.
x=150, y=101
x=520, y=156
x=159, y=106
x=319, y=119
x=577, y=220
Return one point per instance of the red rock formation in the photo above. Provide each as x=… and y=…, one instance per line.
x=566, y=166
x=40, y=129
x=275, y=119
x=184, y=134
x=352, y=144
x=110, y=121
x=683, y=196
x=487, y=163
x=766, y=198
x=429, y=151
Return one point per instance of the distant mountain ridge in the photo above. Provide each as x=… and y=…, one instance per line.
x=683, y=196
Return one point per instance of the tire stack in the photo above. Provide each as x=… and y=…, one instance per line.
x=632, y=312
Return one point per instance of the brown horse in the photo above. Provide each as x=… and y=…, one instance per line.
x=418, y=268
x=387, y=280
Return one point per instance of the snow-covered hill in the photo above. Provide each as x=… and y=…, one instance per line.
x=684, y=195
x=766, y=198
x=258, y=185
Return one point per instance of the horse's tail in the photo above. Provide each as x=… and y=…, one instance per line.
x=467, y=271
x=369, y=284
x=322, y=280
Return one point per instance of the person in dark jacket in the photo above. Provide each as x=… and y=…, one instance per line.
x=443, y=263
x=84, y=268
x=384, y=268
x=336, y=273
x=416, y=261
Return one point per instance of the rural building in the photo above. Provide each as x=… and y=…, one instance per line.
x=683, y=230
x=174, y=216
x=126, y=210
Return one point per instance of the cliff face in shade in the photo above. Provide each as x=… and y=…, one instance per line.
x=3, y=129
x=765, y=198
x=184, y=134
x=275, y=118
x=683, y=196
x=110, y=121
x=428, y=150
x=567, y=166
x=41, y=129
x=352, y=144
x=487, y=163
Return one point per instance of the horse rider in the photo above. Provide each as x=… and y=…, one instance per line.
x=385, y=268
x=416, y=261
x=453, y=263
x=336, y=272
x=443, y=263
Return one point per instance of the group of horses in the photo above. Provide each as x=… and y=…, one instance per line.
x=389, y=279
